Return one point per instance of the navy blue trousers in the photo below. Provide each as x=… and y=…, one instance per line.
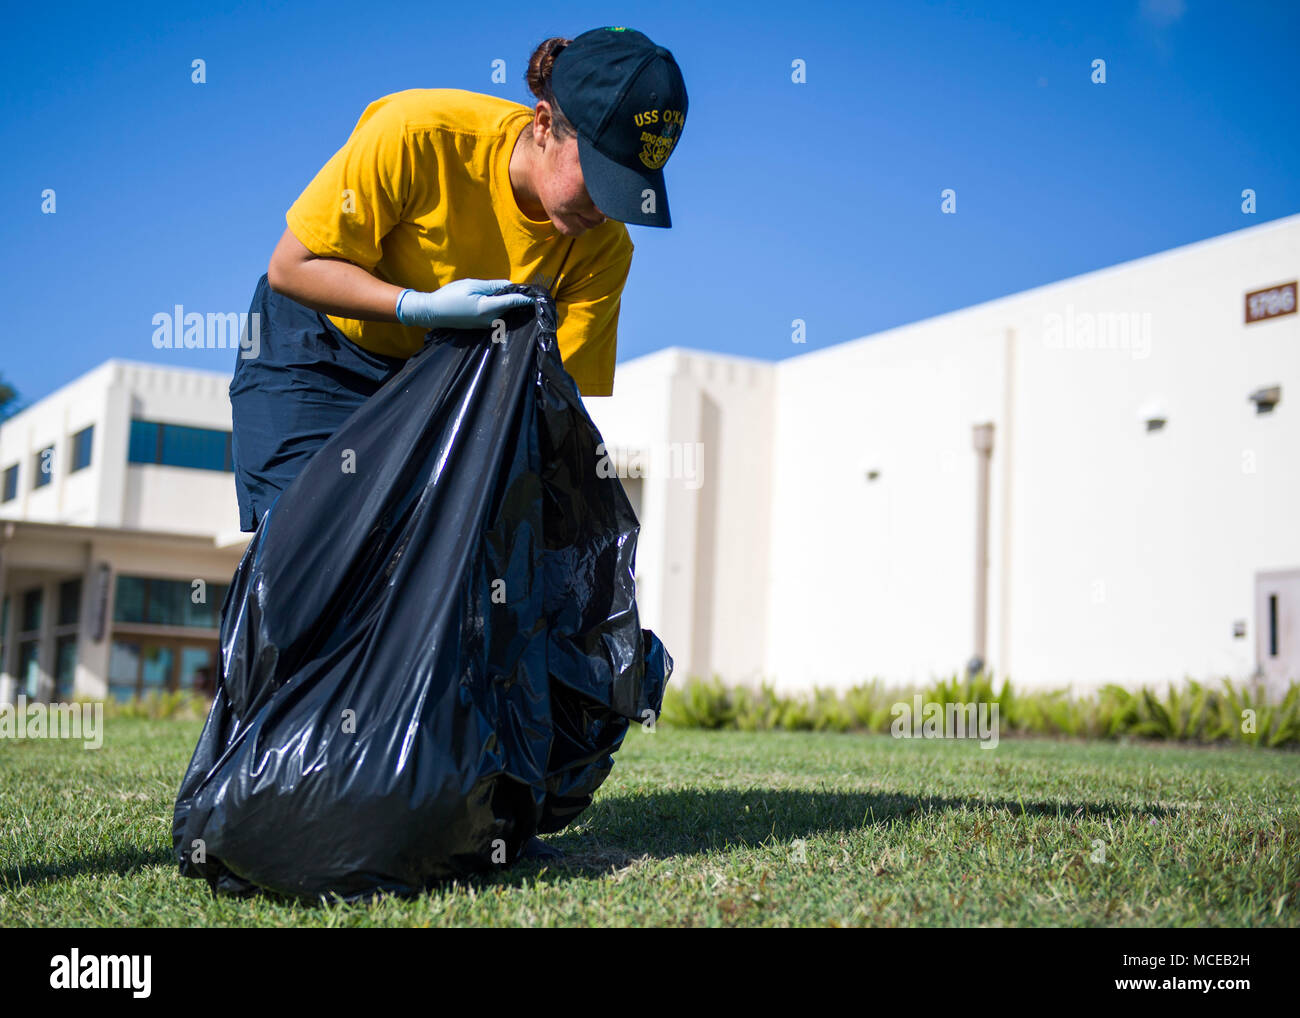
x=305, y=381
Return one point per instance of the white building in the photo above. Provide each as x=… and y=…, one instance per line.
x=812, y=521
x=834, y=536
x=115, y=502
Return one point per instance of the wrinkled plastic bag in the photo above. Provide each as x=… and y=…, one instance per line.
x=428, y=660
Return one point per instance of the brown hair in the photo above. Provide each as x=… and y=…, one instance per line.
x=539, y=83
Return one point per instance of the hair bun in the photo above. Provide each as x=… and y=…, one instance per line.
x=541, y=62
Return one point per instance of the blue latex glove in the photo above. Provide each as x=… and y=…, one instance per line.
x=463, y=304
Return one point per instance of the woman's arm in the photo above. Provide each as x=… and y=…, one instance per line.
x=330, y=285
x=335, y=286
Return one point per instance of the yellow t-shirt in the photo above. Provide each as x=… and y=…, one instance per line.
x=420, y=196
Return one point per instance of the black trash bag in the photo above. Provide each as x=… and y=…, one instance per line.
x=430, y=649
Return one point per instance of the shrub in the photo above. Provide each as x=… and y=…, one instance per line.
x=178, y=705
x=1190, y=713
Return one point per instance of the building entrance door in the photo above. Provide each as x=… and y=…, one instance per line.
x=150, y=664
x=1277, y=628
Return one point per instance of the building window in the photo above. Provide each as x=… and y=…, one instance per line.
x=69, y=602
x=156, y=669
x=65, y=668
x=43, y=464
x=136, y=669
x=123, y=669
x=81, y=444
x=31, y=617
x=29, y=669
x=155, y=602
x=174, y=445
x=4, y=633
x=128, y=599
x=1272, y=625
x=142, y=445
x=10, y=483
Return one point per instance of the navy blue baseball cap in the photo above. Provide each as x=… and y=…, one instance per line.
x=627, y=100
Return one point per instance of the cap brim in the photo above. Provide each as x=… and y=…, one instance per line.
x=617, y=190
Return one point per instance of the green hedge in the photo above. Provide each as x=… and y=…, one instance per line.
x=174, y=705
x=1190, y=713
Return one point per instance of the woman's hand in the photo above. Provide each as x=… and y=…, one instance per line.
x=463, y=304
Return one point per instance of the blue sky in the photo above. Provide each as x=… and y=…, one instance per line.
x=817, y=201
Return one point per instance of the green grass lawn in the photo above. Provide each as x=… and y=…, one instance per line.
x=733, y=828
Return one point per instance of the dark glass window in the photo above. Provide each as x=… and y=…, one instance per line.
x=128, y=600
x=142, y=446
x=69, y=602
x=138, y=669
x=175, y=445
x=65, y=668
x=29, y=669
x=1272, y=625
x=156, y=669
x=194, y=447
x=43, y=464
x=11, y=483
x=209, y=612
x=123, y=669
x=81, y=445
x=31, y=620
x=166, y=602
